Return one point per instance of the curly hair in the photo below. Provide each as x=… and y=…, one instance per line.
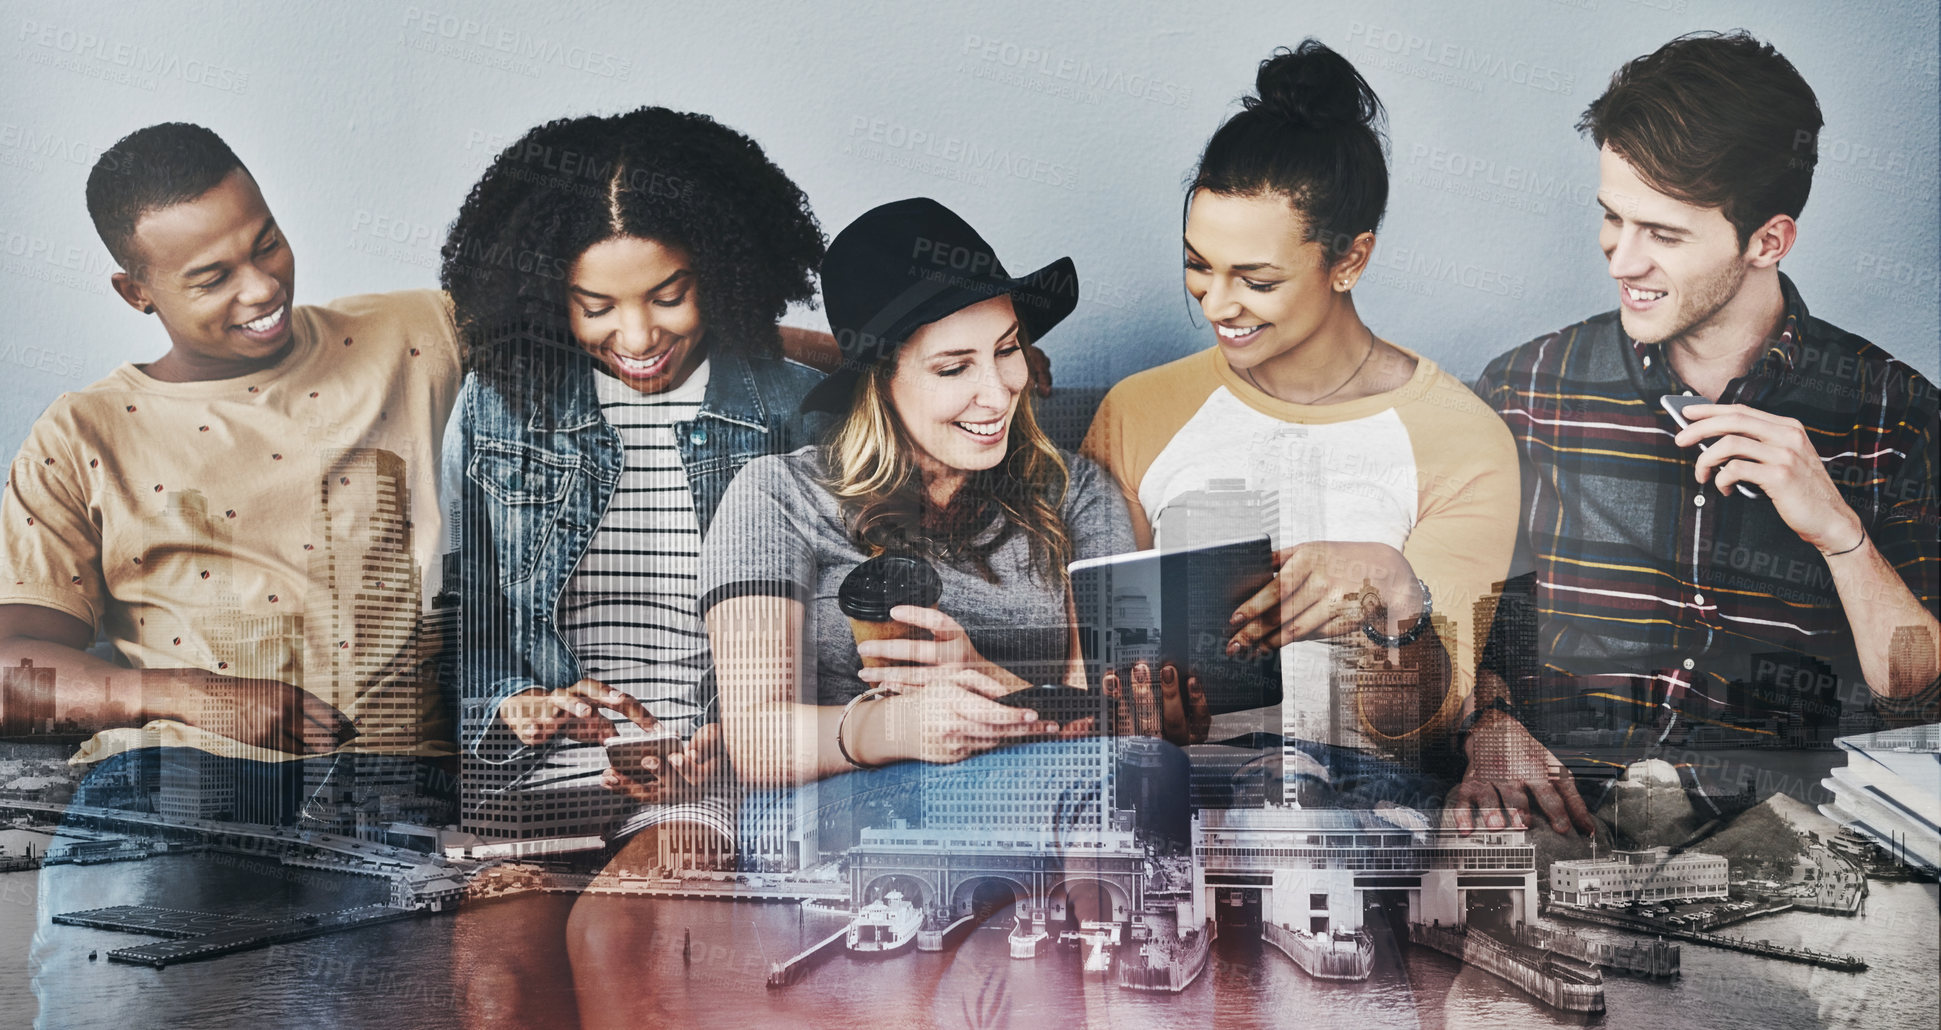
x=672, y=177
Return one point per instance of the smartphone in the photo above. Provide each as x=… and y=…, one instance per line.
x=1060, y=703
x=1675, y=405
x=625, y=754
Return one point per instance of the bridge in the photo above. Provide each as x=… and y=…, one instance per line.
x=955, y=873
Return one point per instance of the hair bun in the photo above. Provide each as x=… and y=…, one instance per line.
x=1312, y=87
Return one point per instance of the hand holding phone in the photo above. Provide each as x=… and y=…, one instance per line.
x=1675, y=405
x=625, y=755
x=1058, y=703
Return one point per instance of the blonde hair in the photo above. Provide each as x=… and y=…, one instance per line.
x=870, y=465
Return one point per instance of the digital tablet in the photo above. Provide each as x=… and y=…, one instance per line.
x=1174, y=605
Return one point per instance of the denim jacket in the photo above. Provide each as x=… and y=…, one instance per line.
x=540, y=464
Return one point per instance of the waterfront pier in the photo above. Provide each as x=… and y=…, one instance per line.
x=1841, y=963
x=1558, y=982
x=934, y=940
x=199, y=935
x=1644, y=958
x=788, y=971
x=1168, y=963
x=1326, y=956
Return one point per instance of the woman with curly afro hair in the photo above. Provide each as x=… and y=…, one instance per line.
x=617, y=281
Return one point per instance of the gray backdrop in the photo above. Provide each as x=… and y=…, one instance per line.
x=1055, y=132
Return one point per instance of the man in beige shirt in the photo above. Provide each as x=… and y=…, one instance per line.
x=249, y=519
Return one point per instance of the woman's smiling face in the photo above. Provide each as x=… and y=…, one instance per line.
x=956, y=388
x=1264, y=290
x=633, y=307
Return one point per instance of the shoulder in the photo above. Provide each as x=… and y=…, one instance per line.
x=1088, y=484
x=782, y=476
x=1449, y=426
x=1550, y=358
x=1446, y=398
x=403, y=319
x=1190, y=378
x=1835, y=353
x=71, y=412
x=1141, y=415
x=783, y=381
x=427, y=308
x=789, y=372
x=1085, y=474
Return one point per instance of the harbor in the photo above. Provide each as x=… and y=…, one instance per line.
x=367, y=977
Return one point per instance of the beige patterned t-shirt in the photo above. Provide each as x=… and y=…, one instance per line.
x=283, y=524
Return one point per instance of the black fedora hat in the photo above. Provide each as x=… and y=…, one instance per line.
x=906, y=264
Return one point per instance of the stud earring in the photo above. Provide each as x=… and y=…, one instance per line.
x=148, y=309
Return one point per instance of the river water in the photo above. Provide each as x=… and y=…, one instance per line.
x=401, y=977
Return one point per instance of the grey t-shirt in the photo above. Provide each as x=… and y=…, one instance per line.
x=780, y=533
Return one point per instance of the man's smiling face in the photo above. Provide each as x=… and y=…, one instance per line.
x=1677, y=265
x=220, y=277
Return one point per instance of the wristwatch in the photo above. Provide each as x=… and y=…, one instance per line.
x=1414, y=633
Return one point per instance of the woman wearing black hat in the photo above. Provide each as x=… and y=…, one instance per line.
x=936, y=463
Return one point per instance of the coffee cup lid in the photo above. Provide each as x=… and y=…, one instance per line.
x=885, y=581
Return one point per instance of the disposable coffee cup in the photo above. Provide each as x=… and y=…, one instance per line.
x=876, y=586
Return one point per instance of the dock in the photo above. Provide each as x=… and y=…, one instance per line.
x=1841, y=963
x=1557, y=981
x=1657, y=959
x=1169, y=965
x=782, y=974
x=1324, y=957
x=154, y=921
x=934, y=940
x=199, y=935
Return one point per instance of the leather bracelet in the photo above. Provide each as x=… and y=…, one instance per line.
x=1414, y=633
x=871, y=694
x=1855, y=547
x=1496, y=704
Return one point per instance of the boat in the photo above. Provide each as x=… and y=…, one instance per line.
x=884, y=925
x=1025, y=938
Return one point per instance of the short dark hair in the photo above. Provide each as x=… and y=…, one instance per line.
x=1311, y=132
x=652, y=173
x=150, y=169
x=1720, y=120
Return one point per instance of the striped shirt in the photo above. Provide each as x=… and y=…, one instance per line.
x=1653, y=592
x=628, y=610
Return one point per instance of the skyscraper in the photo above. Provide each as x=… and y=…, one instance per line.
x=361, y=650
x=26, y=699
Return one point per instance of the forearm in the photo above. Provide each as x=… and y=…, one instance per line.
x=783, y=744
x=93, y=693
x=1437, y=695
x=1435, y=701
x=1878, y=604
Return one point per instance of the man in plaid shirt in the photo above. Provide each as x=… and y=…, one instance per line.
x=1784, y=543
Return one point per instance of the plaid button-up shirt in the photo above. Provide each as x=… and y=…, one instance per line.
x=1655, y=593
